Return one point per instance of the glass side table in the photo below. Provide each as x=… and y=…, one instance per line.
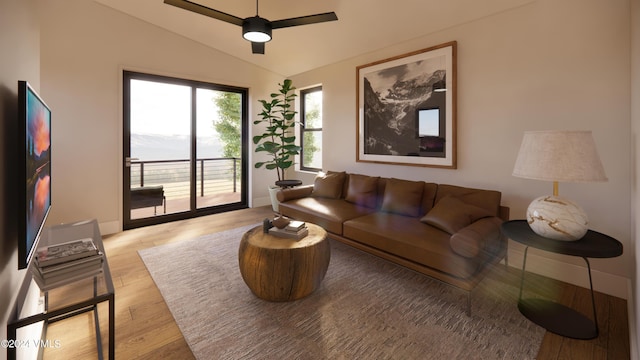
x=555, y=317
x=72, y=298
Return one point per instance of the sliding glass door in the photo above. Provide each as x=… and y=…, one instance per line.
x=185, y=148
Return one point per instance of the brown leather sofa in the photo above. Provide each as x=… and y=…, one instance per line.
x=448, y=232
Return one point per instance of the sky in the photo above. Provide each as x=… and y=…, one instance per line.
x=164, y=109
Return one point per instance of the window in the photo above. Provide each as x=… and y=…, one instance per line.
x=311, y=129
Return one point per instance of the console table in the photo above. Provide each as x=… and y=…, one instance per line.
x=87, y=293
x=555, y=317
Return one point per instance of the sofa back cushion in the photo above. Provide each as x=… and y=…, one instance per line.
x=428, y=197
x=329, y=185
x=486, y=199
x=402, y=197
x=362, y=190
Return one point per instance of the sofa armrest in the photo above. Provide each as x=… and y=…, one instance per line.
x=480, y=236
x=294, y=193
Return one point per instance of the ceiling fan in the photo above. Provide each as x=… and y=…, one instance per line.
x=255, y=29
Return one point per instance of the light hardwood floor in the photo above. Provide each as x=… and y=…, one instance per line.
x=145, y=328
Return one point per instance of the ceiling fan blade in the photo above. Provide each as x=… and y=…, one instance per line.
x=304, y=20
x=257, y=47
x=203, y=10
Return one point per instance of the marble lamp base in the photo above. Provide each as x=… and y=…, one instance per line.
x=557, y=218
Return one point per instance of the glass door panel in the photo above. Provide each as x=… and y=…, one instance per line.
x=218, y=147
x=160, y=142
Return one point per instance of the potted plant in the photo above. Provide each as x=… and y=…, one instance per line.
x=278, y=139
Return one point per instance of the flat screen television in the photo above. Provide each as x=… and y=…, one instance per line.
x=34, y=170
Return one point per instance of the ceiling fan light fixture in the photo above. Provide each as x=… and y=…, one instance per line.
x=256, y=29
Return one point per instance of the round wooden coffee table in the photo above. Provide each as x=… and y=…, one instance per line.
x=281, y=269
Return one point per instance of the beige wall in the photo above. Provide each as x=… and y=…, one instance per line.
x=85, y=46
x=546, y=65
x=20, y=60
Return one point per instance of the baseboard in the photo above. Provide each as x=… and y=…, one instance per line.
x=110, y=227
x=261, y=201
x=606, y=283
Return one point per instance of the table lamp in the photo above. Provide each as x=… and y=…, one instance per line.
x=558, y=156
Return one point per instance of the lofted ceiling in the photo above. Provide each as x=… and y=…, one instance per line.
x=363, y=26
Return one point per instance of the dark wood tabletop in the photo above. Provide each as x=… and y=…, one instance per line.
x=592, y=245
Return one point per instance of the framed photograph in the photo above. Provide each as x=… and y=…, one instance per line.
x=407, y=109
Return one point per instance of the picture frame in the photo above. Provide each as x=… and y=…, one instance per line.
x=406, y=109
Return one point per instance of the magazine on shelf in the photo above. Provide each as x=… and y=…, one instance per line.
x=47, y=284
x=71, y=267
x=68, y=273
x=64, y=252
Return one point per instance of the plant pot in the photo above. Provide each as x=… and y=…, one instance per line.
x=273, y=191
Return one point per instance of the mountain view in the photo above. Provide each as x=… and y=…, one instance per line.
x=172, y=147
x=390, y=117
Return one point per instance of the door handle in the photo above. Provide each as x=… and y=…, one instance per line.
x=127, y=161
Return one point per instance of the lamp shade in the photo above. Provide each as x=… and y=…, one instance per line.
x=256, y=29
x=562, y=156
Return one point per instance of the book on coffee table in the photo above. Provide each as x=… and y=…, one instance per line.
x=295, y=225
x=284, y=233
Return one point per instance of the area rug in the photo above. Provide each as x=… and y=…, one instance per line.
x=366, y=308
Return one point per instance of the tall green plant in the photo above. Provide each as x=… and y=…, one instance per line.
x=278, y=139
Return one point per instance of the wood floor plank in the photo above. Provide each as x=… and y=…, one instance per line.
x=603, y=311
x=618, y=346
x=145, y=328
x=550, y=348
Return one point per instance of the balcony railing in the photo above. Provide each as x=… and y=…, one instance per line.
x=214, y=176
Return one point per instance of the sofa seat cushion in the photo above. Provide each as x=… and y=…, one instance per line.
x=408, y=238
x=327, y=213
